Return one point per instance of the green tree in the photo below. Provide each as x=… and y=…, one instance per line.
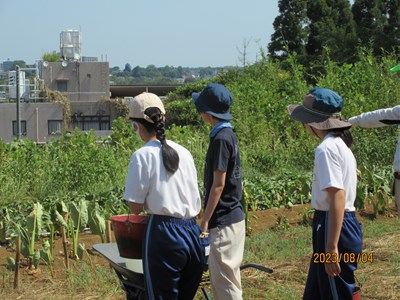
x=370, y=22
x=127, y=70
x=51, y=57
x=206, y=72
x=290, y=29
x=331, y=27
x=378, y=24
x=152, y=71
x=137, y=71
x=392, y=29
x=169, y=72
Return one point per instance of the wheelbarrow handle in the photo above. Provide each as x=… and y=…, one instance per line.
x=255, y=266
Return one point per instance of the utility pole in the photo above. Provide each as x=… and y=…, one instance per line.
x=18, y=103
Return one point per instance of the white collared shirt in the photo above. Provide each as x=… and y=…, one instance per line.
x=149, y=183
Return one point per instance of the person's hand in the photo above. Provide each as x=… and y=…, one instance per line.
x=353, y=121
x=332, y=268
x=204, y=226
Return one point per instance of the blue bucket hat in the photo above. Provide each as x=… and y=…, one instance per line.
x=215, y=100
x=320, y=109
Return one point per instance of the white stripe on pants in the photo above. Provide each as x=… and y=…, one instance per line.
x=226, y=255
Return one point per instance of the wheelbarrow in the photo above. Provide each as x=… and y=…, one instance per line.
x=133, y=282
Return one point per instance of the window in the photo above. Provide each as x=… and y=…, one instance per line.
x=22, y=128
x=91, y=122
x=62, y=85
x=55, y=126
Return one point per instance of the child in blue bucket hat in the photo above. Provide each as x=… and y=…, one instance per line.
x=336, y=233
x=223, y=216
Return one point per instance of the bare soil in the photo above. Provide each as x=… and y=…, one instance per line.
x=43, y=285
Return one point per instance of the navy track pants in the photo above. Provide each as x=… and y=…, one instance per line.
x=321, y=286
x=174, y=258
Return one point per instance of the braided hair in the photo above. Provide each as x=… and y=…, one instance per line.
x=169, y=155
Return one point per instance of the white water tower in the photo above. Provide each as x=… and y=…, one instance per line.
x=71, y=45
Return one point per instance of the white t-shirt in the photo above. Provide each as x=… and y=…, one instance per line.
x=334, y=166
x=149, y=183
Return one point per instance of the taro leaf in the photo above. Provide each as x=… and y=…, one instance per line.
x=45, y=253
x=60, y=219
x=34, y=221
x=96, y=222
x=36, y=259
x=63, y=207
x=79, y=214
x=10, y=261
x=81, y=250
x=4, y=224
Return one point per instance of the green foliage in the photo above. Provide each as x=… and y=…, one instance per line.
x=96, y=221
x=276, y=152
x=290, y=34
x=375, y=22
x=51, y=57
x=375, y=187
x=183, y=113
x=78, y=220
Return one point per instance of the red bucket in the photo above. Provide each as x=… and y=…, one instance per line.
x=357, y=293
x=129, y=232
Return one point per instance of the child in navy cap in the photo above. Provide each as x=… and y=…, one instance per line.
x=223, y=216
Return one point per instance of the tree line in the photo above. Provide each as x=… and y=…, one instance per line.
x=161, y=75
x=316, y=29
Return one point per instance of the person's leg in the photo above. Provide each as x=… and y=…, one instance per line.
x=165, y=256
x=226, y=255
x=350, y=243
x=312, y=290
x=193, y=271
x=397, y=190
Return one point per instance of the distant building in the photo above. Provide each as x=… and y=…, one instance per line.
x=7, y=65
x=12, y=82
x=82, y=79
x=89, y=59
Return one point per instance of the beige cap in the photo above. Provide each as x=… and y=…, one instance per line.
x=140, y=103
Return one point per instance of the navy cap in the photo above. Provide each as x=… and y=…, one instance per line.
x=215, y=100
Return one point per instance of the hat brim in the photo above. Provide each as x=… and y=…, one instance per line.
x=299, y=113
x=205, y=109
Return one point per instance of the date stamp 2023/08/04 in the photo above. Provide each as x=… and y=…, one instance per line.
x=342, y=257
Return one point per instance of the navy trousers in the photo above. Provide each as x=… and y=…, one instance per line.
x=174, y=258
x=321, y=286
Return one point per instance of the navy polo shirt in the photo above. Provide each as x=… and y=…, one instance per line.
x=223, y=155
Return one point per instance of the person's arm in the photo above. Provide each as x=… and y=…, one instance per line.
x=337, y=199
x=213, y=198
x=377, y=118
x=135, y=208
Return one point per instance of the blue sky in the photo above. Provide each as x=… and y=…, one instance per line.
x=183, y=33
